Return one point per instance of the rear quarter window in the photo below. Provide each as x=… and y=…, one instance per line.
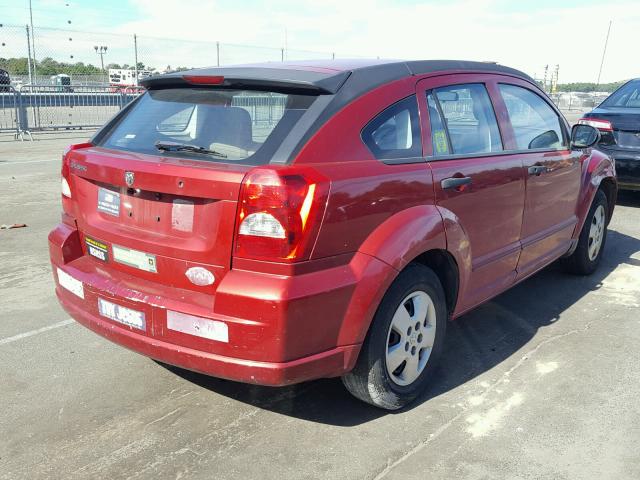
x=395, y=132
x=241, y=126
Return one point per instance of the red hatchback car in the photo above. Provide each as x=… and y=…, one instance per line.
x=279, y=223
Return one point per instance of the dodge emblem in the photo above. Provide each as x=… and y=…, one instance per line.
x=129, y=177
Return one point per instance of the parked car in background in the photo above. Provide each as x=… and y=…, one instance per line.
x=274, y=224
x=618, y=119
x=5, y=81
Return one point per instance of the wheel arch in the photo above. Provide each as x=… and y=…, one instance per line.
x=444, y=265
x=610, y=188
x=598, y=173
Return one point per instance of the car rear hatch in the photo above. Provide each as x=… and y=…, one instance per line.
x=156, y=192
x=152, y=217
x=625, y=123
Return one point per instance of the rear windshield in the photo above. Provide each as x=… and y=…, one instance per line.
x=232, y=126
x=626, y=96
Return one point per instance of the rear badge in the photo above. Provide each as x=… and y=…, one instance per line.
x=129, y=178
x=134, y=258
x=109, y=202
x=97, y=249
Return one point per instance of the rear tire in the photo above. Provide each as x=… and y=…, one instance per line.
x=403, y=344
x=587, y=255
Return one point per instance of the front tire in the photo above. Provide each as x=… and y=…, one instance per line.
x=587, y=255
x=404, y=341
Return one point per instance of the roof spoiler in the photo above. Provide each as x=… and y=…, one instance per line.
x=261, y=79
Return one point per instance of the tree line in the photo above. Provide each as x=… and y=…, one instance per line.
x=49, y=66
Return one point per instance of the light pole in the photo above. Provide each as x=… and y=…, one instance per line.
x=101, y=50
x=33, y=40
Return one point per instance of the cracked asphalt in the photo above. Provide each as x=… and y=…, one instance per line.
x=541, y=383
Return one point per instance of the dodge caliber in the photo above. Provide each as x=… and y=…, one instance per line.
x=279, y=223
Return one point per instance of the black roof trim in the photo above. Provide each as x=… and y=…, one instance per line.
x=256, y=78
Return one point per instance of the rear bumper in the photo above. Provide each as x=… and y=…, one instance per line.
x=627, y=167
x=325, y=364
x=281, y=330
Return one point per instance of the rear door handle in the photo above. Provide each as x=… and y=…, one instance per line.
x=454, y=182
x=537, y=170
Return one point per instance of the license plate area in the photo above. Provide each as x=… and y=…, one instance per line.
x=629, y=139
x=69, y=283
x=123, y=315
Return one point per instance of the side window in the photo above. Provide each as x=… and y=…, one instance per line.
x=395, y=133
x=439, y=138
x=535, y=123
x=469, y=119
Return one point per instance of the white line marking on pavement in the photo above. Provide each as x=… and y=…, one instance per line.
x=31, y=333
x=31, y=161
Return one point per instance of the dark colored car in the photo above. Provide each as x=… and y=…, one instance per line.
x=279, y=223
x=5, y=81
x=618, y=119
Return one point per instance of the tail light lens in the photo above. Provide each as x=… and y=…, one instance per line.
x=65, y=187
x=602, y=125
x=279, y=213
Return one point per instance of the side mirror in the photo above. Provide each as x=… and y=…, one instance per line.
x=584, y=136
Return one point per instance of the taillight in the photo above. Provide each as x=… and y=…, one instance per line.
x=602, y=125
x=65, y=173
x=65, y=188
x=279, y=213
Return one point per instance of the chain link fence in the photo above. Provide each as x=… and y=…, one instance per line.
x=36, y=58
x=64, y=78
x=70, y=79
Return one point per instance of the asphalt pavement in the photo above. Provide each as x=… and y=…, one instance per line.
x=541, y=383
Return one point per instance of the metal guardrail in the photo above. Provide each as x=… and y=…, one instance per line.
x=39, y=108
x=60, y=107
x=9, y=120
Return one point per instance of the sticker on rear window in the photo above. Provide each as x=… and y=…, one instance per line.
x=97, y=249
x=109, y=202
x=134, y=258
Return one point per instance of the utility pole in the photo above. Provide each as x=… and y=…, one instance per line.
x=33, y=40
x=604, y=51
x=135, y=48
x=546, y=71
x=554, y=79
x=29, y=54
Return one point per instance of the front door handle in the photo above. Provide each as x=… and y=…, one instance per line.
x=537, y=170
x=455, y=182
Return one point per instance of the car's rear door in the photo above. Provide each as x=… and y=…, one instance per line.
x=478, y=186
x=538, y=136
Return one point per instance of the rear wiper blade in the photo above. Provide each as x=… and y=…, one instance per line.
x=185, y=147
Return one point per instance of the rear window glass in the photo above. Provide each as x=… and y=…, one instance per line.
x=231, y=126
x=626, y=96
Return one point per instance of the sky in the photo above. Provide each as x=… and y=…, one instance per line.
x=524, y=34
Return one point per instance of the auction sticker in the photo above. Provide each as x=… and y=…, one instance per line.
x=109, y=202
x=134, y=258
x=97, y=249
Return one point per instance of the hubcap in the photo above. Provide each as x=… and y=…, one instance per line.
x=410, y=338
x=596, y=232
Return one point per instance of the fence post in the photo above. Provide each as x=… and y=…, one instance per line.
x=282, y=54
x=21, y=108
